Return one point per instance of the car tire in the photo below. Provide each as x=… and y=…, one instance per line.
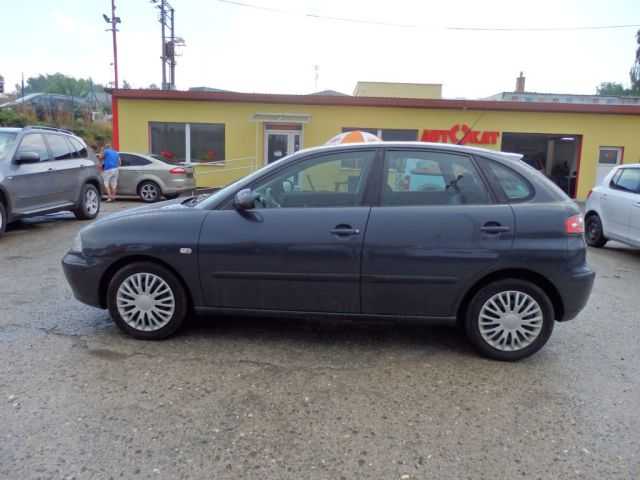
x=149, y=191
x=147, y=301
x=3, y=219
x=522, y=324
x=89, y=205
x=594, y=233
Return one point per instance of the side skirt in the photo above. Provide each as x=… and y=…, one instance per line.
x=449, y=321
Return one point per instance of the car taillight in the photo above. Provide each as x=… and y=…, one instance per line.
x=574, y=225
x=177, y=171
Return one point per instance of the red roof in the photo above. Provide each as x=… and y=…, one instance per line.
x=375, y=101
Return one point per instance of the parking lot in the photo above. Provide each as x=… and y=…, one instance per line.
x=264, y=398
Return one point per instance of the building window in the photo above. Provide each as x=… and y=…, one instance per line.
x=610, y=155
x=188, y=142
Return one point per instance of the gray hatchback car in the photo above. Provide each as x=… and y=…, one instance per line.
x=45, y=170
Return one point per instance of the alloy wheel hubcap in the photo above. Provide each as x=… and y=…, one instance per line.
x=510, y=320
x=91, y=202
x=149, y=192
x=145, y=301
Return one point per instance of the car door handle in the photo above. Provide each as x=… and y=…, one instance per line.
x=345, y=231
x=492, y=227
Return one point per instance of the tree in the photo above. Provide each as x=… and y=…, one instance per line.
x=126, y=84
x=153, y=86
x=612, y=88
x=634, y=73
x=59, y=83
x=617, y=89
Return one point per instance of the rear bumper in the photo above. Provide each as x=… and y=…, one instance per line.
x=83, y=276
x=575, y=292
x=179, y=185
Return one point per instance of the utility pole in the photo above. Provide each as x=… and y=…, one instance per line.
x=113, y=20
x=169, y=43
x=171, y=46
x=163, y=23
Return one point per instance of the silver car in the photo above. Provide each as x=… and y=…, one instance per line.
x=151, y=177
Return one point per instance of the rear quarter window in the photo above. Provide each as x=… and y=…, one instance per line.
x=513, y=186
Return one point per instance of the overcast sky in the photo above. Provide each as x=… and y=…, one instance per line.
x=245, y=49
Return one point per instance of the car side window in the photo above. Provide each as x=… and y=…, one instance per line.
x=136, y=161
x=60, y=149
x=79, y=150
x=627, y=179
x=125, y=160
x=34, y=143
x=321, y=181
x=414, y=177
x=128, y=160
x=512, y=184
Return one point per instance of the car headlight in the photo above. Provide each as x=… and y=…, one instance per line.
x=76, y=246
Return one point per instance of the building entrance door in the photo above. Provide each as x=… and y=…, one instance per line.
x=280, y=143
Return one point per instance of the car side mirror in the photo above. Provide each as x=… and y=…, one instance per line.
x=246, y=199
x=27, y=157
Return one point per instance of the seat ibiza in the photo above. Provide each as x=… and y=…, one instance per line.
x=388, y=230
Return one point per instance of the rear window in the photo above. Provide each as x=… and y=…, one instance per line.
x=514, y=186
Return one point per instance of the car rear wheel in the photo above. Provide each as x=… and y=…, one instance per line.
x=3, y=219
x=594, y=233
x=89, y=206
x=509, y=319
x=147, y=301
x=149, y=191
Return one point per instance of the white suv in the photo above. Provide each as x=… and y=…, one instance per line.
x=613, y=208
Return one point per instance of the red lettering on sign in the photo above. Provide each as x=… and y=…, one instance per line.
x=460, y=134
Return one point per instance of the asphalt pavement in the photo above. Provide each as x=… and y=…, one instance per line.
x=240, y=398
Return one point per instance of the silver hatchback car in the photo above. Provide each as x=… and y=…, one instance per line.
x=151, y=177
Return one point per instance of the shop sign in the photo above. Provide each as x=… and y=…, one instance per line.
x=461, y=134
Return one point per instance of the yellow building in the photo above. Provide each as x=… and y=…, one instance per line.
x=231, y=134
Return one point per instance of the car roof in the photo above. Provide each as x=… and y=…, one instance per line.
x=629, y=165
x=438, y=146
x=10, y=129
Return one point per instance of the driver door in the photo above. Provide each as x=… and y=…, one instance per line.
x=300, y=249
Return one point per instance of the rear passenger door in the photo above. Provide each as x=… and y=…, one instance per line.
x=65, y=169
x=130, y=172
x=435, y=230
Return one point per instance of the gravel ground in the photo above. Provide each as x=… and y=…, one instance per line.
x=262, y=398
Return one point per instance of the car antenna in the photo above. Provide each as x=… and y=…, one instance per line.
x=464, y=137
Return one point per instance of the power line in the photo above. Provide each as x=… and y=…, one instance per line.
x=415, y=26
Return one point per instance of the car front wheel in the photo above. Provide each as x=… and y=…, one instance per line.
x=147, y=301
x=594, y=233
x=509, y=319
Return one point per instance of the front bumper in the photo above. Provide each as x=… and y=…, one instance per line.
x=83, y=276
x=575, y=292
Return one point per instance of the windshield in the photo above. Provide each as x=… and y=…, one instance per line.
x=6, y=142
